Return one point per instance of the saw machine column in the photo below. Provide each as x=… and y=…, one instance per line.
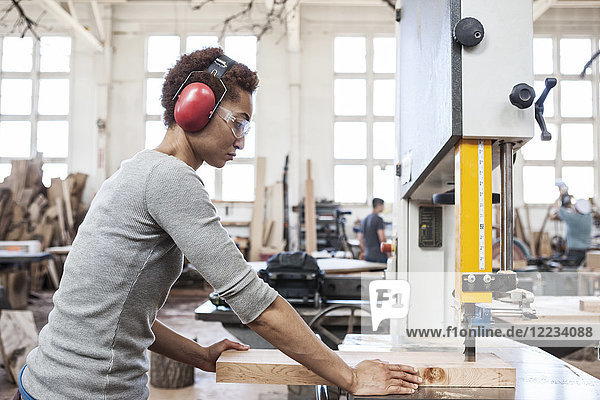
x=473, y=228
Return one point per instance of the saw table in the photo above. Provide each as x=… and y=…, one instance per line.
x=539, y=374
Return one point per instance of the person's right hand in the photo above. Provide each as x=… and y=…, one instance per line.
x=376, y=377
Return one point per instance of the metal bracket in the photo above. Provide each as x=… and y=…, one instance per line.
x=488, y=282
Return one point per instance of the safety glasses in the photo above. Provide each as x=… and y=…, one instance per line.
x=239, y=126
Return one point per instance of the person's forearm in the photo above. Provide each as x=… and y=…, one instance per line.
x=175, y=346
x=281, y=325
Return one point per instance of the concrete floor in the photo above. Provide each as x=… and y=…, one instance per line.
x=178, y=314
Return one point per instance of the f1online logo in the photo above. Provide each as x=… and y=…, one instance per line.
x=389, y=299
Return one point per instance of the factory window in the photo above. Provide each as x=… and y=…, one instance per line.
x=234, y=182
x=570, y=117
x=364, y=106
x=35, y=103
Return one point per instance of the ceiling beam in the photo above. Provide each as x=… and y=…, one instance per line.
x=540, y=7
x=98, y=19
x=64, y=17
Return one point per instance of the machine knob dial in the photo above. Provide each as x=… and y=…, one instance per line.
x=471, y=278
x=522, y=96
x=468, y=32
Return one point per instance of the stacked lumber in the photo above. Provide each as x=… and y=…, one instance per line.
x=30, y=211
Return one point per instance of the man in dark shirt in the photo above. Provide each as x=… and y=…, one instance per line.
x=371, y=234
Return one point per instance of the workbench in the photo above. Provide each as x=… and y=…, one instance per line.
x=17, y=285
x=539, y=374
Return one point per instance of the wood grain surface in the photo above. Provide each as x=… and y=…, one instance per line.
x=436, y=368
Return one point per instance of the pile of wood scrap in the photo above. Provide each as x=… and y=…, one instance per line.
x=30, y=211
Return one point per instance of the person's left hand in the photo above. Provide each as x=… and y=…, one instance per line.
x=213, y=352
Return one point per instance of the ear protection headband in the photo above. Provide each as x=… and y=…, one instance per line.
x=196, y=102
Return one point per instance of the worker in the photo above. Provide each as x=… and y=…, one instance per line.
x=371, y=234
x=578, y=219
x=129, y=251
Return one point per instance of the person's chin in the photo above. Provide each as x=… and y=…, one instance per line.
x=217, y=163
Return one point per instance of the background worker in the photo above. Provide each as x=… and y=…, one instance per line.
x=372, y=233
x=578, y=219
x=129, y=251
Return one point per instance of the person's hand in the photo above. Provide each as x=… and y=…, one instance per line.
x=213, y=352
x=376, y=377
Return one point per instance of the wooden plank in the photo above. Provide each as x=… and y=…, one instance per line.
x=275, y=214
x=590, y=305
x=68, y=207
x=18, y=336
x=436, y=368
x=268, y=230
x=258, y=211
x=530, y=238
x=310, y=213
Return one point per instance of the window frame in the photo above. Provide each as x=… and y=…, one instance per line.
x=35, y=75
x=558, y=120
x=369, y=118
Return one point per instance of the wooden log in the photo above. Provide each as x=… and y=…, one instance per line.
x=436, y=368
x=18, y=336
x=169, y=374
x=258, y=211
x=310, y=213
x=77, y=185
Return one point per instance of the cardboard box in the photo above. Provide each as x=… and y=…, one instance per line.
x=592, y=259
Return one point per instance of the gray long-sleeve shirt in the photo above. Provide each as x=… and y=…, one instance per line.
x=124, y=260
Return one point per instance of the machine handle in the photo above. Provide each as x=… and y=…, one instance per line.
x=539, y=108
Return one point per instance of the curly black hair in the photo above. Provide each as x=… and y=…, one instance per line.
x=239, y=77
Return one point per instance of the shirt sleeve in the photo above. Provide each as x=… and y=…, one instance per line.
x=380, y=224
x=564, y=214
x=362, y=225
x=178, y=202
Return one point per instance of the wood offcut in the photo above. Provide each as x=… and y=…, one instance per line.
x=310, y=212
x=436, y=369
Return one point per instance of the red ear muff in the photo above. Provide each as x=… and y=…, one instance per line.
x=194, y=105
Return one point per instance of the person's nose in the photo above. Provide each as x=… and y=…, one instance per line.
x=239, y=143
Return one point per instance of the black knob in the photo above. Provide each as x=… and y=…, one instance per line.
x=522, y=95
x=468, y=32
